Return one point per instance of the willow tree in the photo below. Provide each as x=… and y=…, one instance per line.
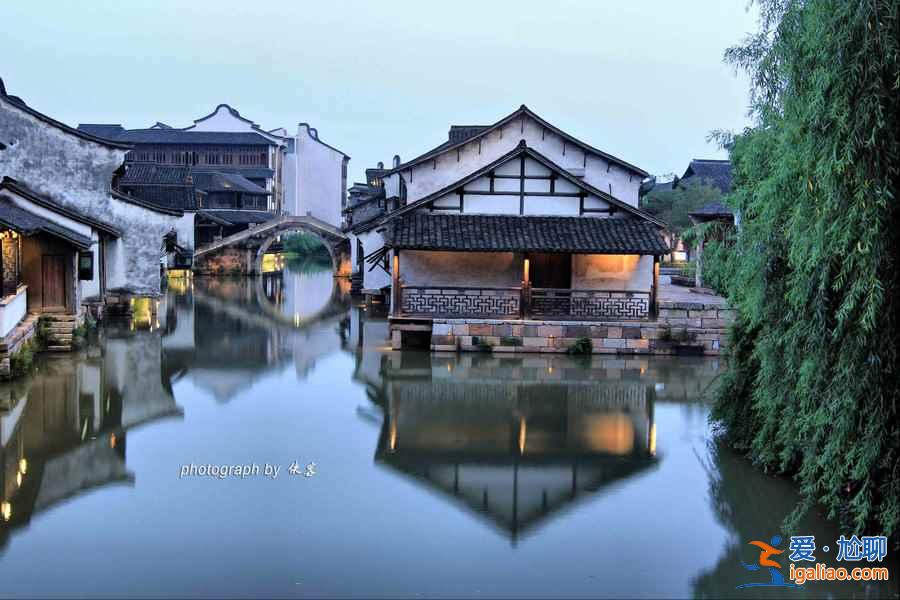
x=812, y=385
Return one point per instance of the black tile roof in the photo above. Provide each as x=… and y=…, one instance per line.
x=153, y=174
x=20, y=189
x=713, y=209
x=27, y=224
x=248, y=172
x=174, y=136
x=513, y=233
x=175, y=197
x=237, y=217
x=226, y=182
x=716, y=173
x=102, y=130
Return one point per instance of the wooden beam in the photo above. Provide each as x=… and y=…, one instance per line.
x=654, y=290
x=522, y=186
x=395, y=284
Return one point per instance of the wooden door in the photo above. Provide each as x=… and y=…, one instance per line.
x=551, y=271
x=53, y=272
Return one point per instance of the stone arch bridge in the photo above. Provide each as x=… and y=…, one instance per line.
x=242, y=253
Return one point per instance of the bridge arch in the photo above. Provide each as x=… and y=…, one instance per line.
x=247, y=248
x=338, y=250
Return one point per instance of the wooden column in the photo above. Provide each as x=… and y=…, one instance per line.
x=395, y=284
x=654, y=289
x=525, y=309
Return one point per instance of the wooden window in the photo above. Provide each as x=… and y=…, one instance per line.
x=85, y=266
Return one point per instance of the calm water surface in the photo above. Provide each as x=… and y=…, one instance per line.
x=458, y=475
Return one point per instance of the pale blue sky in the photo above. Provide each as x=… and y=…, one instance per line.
x=642, y=80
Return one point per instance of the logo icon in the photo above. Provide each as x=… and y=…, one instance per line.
x=776, y=579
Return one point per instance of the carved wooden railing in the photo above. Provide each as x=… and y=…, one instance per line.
x=457, y=301
x=557, y=303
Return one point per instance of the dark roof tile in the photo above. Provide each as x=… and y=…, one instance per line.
x=513, y=233
x=28, y=223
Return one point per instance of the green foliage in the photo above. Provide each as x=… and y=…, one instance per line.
x=510, y=341
x=482, y=344
x=812, y=385
x=674, y=206
x=582, y=346
x=21, y=362
x=305, y=244
x=680, y=335
x=42, y=332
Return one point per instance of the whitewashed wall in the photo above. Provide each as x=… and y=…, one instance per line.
x=431, y=176
x=318, y=182
x=509, y=204
x=371, y=240
x=475, y=269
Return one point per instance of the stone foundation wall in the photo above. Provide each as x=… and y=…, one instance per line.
x=227, y=261
x=680, y=328
x=14, y=340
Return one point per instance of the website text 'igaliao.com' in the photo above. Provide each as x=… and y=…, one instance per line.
x=805, y=568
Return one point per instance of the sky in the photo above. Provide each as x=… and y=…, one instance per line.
x=642, y=80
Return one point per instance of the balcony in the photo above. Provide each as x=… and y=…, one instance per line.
x=524, y=302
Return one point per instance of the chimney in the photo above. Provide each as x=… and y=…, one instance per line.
x=396, y=160
x=380, y=164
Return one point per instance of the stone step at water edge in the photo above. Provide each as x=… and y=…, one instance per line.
x=59, y=348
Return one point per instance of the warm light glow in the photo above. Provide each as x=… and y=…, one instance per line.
x=613, y=433
x=653, y=439
x=550, y=370
x=142, y=313
x=19, y=478
x=112, y=440
x=393, y=441
x=272, y=263
x=527, y=271
x=6, y=508
x=296, y=319
x=23, y=465
x=523, y=429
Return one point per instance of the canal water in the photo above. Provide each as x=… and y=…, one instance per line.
x=146, y=464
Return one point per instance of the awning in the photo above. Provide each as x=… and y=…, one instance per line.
x=27, y=224
x=512, y=233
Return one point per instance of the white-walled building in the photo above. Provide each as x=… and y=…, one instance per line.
x=514, y=219
x=228, y=173
x=68, y=236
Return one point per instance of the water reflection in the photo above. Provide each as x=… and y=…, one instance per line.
x=516, y=439
x=532, y=475
x=64, y=429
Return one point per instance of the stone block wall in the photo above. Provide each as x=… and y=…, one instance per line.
x=694, y=328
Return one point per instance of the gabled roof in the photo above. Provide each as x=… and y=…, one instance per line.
x=102, y=130
x=523, y=150
x=182, y=136
x=486, y=129
x=128, y=198
x=20, y=104
x=714, y=172
x=233, y=111
x=713, y=210
x=28, y=224
x=515, y=233
x=22, y=190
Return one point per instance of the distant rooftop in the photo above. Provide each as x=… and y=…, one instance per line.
x=716, y=173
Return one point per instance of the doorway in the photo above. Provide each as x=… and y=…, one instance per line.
x=53, y=283
x=551, y=271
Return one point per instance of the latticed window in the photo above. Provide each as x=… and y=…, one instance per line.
x=11, y=262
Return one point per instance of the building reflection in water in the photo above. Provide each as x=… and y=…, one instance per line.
x=225, y=333
x=516, y=439
x=64, y=429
